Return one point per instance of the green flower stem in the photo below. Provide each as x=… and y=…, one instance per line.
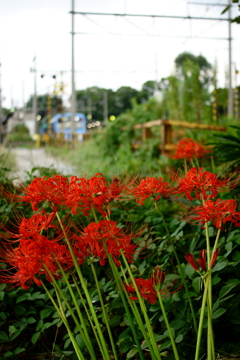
x=179, y=268
x=185, y=164
x=216, y=240
x=88, y=315
x=64, y=320
x=137, y=315
x=143, y=309
x=211, y=348
x=200, y=326
x=104, y=312
x=84, y=335
x=197, y=162
x=168, y=326
x=86, y=340
x=210, y=331
x=101, y=337
x=192, y=163
x=120, y=287
x=77, y=267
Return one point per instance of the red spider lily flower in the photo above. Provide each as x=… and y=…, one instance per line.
x=219, y=212
x=191, y=261
x=42, y=221
x=151, y=186
x=94, y=192
x=27, y=228
x=84, y=194
x=214, y=258
x=158, y=277
x=201, y=183
x=43, y=189
x=187, y=149
x=202, y=261
x=26, y=262
x=146, y=290
x=102, y=238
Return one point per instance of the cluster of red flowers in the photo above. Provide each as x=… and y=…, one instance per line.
x=97, y=240
x=76, y=193
x=203, y=183
x=219, y=212
x=145, y=288
x=202, y=260
x=188, y=149
x=151, y=186
x=148, y=288
x=34, y=253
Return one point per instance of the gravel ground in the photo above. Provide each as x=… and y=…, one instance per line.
x=26, y=159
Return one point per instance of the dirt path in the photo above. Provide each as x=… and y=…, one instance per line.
x=26, y=159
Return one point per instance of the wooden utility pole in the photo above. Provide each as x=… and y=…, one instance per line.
x=105, y=107
x=1, y=109
x=73, y=96
x=230, y=90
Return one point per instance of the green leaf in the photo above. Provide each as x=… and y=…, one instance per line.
x=46, y=325
x=20, y=310
x=18, y=350
x=165, y=345
x=116, y=320
x=196, y=283
x=216, y=280
x=23, y=297
x=80, y=341
x=236, y=255
x=177, y=324
x=39, y=325
x=8, y=354
x=35, y=337
x=3, y=336
x=191, y=294
x=67, y=342
x=131, y=353
x=31, y=320
x=45, y=313
x=218, y=313
x=226, y=289
x=179, y=338
x=2, y=293
x=221, y=264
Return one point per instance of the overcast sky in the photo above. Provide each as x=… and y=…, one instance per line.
x=42, y=28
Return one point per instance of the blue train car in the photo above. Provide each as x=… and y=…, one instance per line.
x=61, y=123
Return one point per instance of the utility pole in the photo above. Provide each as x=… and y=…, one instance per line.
x=23, y=100
x=105, y=107
x=34, y=69
x=1, y=109
x=230, y=91
x=73, y=97
x=89, y=108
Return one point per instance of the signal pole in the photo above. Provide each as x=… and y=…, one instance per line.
x=73, y=97
x=1, y=109
x=34, y=69
x=230, y=90
x=105, y=107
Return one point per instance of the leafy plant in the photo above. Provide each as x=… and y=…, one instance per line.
x=227, y=148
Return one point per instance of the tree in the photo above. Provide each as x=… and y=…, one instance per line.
x=90, y=101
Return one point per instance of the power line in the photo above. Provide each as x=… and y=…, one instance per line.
x=152, y=35
x=196, y=3
x=149, y=16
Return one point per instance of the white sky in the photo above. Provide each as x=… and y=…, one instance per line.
x=42, y=27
